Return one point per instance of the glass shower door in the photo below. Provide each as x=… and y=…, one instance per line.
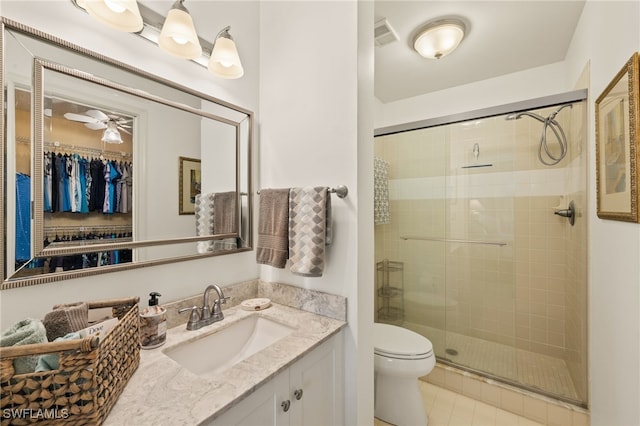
x=480, y=269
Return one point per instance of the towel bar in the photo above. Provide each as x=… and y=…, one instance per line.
x=341, y=191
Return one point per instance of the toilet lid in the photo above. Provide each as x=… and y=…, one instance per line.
x=399, y=342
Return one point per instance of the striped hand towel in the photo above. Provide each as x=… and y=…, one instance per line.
x=308, y=218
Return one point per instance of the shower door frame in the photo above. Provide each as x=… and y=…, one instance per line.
x=576, y=96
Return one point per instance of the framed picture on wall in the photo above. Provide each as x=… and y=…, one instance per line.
x=617, y=150
x=190, y=183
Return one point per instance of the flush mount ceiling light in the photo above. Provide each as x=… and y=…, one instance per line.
x=439, y=38
x=178, y=36
x=225, y=61
x=122, y=15
x=111, y=134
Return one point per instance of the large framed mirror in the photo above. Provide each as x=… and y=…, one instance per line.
x=109, y=168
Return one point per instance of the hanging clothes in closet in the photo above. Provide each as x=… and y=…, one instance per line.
x=23, y=218
x=77, y=184
x=88, y=260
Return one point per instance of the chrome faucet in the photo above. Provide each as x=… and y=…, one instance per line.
x=208, y=314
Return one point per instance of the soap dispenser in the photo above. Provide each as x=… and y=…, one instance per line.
x=153, y=324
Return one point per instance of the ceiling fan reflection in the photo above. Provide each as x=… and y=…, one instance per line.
x=97, y=120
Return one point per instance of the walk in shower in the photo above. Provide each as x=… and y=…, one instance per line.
x=474, y=243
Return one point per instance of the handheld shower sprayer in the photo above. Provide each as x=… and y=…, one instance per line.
x=549, y=158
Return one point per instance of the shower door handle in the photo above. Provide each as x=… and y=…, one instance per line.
x=569, y=213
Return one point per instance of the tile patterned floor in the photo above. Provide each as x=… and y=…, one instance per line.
x=532, y=369
x=446, y=408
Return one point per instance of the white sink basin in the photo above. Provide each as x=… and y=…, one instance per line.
x=215, y=352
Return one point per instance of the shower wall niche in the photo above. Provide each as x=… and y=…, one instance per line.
x=492, y=276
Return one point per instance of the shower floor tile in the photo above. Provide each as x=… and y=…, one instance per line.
x=532, y=369
x=535, y=370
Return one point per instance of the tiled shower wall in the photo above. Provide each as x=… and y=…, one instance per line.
x=529, y=293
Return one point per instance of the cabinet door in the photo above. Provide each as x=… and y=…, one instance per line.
x=316, y=386
x=261, y=408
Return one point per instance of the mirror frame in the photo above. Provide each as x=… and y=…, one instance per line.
x=38, y=138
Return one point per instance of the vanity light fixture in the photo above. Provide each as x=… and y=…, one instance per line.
x=225, y=61
x=122, y=15
x=111, y=134
x=178, y=36
x=439, y=38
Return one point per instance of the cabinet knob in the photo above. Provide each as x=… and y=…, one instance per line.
x=298, y=394
x=285, y=405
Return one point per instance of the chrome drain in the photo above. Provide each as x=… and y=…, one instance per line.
x=451, y=352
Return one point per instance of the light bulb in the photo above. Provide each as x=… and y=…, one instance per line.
x=115, y=7
x=180, y=40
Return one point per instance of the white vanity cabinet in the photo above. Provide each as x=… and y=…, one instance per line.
x=309, y=392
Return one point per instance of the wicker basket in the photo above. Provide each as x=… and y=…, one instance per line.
x=89, y=380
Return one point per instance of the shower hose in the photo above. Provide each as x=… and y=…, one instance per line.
x=545, y=155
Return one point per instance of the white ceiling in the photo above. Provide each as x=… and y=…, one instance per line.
x=502, y=37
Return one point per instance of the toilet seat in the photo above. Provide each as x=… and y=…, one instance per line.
x=399, y=343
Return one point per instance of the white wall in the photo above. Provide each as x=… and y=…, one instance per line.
x=309, y=136
x=173, y=281
x=607, y=35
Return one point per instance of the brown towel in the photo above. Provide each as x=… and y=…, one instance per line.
x=224, y=216
x=273, y=228
x=225, y=220
x=65, y=319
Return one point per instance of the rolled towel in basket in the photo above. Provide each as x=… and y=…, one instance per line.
x=49, y=362
x=25, y=332
x=65, y=319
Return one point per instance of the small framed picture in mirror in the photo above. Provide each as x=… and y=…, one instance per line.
x=190, y=183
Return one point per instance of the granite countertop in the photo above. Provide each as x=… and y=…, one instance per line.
x=161, y=391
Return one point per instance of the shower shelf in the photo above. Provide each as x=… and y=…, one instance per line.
x=390, y=314
x=390, y=292
x=389, y=283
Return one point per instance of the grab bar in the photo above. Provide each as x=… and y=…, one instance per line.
x=453, y=240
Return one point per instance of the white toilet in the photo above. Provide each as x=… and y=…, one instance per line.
x=400, y=357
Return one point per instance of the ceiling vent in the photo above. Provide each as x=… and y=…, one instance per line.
x=383, y=33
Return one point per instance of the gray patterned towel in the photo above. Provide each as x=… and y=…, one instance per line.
x=381, y=214
x=273, y=226
x=204, y=219
x=309, y=214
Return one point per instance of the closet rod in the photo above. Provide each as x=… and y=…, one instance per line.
x=341, y=191
x=88, y=228
x=56, y=144
x=86, y=150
